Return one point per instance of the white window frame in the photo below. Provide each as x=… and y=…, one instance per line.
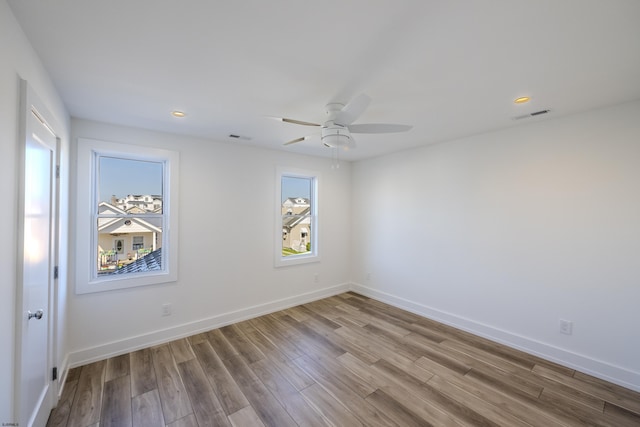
x=314, y=254
x=88, y=153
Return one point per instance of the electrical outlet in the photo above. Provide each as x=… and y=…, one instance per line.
x=368, y=276
x=566, y=327
x=166, y=309
x=316, y=277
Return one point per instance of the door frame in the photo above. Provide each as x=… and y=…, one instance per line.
x=30, y=102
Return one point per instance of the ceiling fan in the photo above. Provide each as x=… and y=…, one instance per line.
x=337, y=129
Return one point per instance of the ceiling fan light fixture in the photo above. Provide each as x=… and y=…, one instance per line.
x=332, y=137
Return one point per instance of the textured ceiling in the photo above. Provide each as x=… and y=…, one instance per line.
x=449, y=68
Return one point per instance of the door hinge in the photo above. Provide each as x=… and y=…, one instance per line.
x=54, y=374
x=57, y=171
x=55, y=272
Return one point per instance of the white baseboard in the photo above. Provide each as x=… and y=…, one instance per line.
x=115, y=348
x=597, y=368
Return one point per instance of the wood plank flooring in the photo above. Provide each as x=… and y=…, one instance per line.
x=342, y=361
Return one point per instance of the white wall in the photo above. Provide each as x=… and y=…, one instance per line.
x=18, y=60
x=507, y=232
x=226, y=192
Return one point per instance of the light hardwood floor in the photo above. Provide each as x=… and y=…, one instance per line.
x=344, y=361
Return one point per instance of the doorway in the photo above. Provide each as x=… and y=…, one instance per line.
x=37, y=252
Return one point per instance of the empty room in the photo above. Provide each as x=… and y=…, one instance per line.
x=352, y=213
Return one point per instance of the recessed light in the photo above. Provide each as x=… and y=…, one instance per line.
x=176, y=113
x=522, y=100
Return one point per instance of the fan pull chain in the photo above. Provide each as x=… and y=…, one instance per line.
x=335, y=158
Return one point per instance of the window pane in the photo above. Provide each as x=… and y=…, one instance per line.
x=296, y=236
x=296, y=196
x=131, y=186
x=129, y=245
x=296, y=187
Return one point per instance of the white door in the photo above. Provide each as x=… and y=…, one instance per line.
x=35, y=274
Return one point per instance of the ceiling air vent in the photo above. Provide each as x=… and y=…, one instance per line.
x=537, y=113
x=526, y=116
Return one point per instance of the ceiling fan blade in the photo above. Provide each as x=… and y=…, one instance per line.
x=378, y=128
x=298, y=122
x=293, y=141
x=353, y=110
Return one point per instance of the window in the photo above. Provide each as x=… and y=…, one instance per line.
x=296, y=217
x=126, y=217
x=138, y=243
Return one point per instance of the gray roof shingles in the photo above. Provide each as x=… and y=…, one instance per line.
x=150, y=262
